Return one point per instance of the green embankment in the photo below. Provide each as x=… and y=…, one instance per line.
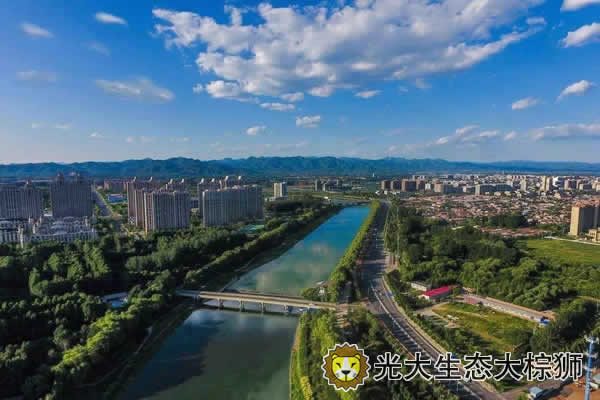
x=347, y=264
x=317, y=333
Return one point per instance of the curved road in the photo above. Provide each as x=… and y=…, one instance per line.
x=386, y=309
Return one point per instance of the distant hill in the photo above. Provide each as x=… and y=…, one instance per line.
x=259, y=166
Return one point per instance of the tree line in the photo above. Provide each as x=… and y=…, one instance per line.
x=56, y=333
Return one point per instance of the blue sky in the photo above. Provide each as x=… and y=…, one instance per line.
x=478, y=80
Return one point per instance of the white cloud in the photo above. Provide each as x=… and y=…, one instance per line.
x=527, y=102
x=226, y=90
x=35, y=30
x=568, y=131
x=322, y=91
x=536, y=21
x=293, y=97
x=130, y=139
x=367, y=94
x=510, y=136
x=421, y=84
x=198, y=88
x=97, y=135
x=36, y=76
x=480, y=137
x=255, y=130
x=465, y=136
x=576, y=89
x=403, y=89
x=364, y=66
x=321, y=49
x=572, y=5
x=147, y=139
x=582, y=36
x=99, y=48
x=466, y=129
x=308, y=121
x=107, y=18
x=278, y=106
x=140, y=88
x=63, y=127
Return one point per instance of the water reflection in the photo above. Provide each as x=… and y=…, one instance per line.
x=229, y=355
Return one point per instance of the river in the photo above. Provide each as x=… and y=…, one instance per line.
x=227, y=355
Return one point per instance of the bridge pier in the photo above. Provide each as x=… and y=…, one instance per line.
x=287, y=309
x=220, y=303
x=262, y=307
x=241, y=305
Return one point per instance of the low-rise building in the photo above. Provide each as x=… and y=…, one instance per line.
x=68, y=229
x=437, y=294
x=9, y=231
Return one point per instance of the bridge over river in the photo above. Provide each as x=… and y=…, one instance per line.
x=257, y=297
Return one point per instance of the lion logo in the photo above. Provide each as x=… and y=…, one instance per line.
x=345, y=367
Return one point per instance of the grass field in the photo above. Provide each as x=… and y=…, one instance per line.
x=502, y=332
x=564, y=251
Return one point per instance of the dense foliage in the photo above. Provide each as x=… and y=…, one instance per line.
x=432, y=251
x=57, y=334
x=343, y=272
x=317, y=333
x=293, y=204
x=512, y=221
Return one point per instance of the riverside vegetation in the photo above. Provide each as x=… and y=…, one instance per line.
x=56, y=333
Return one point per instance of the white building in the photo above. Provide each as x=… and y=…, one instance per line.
x=68, y=229
x=280, y=190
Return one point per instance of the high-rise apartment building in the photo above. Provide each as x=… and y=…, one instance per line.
x=280, y=189
x=584, y=216
x=386, y=185
x=409, y=186
x=135, y=199
x=114, y=185
x=71, y=198
x=570, y=184
x=20, y=202
x=229, y=205
x=546, y=184
x=166, y=210
x=173, y=185
x=483, y=189
x=443, y=188
x=318, y=185
x=524, y=185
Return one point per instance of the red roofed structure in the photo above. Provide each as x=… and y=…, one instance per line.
x=438, y=293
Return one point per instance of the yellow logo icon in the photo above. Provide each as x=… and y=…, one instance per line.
x=345, y=367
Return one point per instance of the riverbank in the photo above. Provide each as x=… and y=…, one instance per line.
x=173, y=318
x=276, y=252
x=342, y=282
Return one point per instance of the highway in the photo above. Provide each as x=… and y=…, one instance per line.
x=385, y=308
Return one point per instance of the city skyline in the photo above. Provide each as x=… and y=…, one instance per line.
x=107, y=81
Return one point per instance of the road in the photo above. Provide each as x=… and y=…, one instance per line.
x=104, y=208
x=385, y=308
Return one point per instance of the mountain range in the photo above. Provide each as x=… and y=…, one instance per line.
x=281, y=166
